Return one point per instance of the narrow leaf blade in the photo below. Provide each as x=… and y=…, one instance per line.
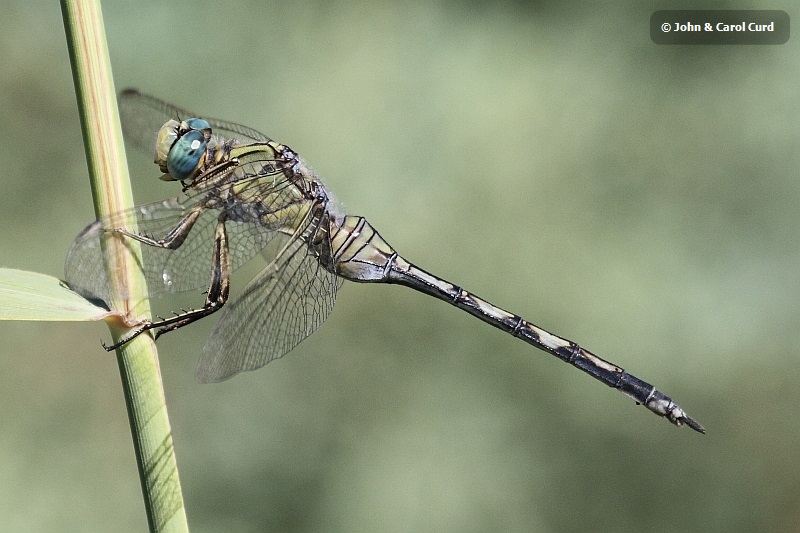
x=28, y=295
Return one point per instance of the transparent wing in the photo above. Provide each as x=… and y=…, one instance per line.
x=143, y=115
x=280, y=307
x=273, y=211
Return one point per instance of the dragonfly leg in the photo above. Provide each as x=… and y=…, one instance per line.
x=217, y=295
x=172, y=240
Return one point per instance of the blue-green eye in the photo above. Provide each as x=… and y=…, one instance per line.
x=198, y=124
x=187, y=155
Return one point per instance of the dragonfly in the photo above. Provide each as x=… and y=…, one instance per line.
x=244, y=195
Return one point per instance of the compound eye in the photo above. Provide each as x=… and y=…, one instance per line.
x=199, y=124
x=187, y=155
x=167, y=136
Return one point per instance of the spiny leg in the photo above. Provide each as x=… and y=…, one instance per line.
x=217, y=294
x=172, y=240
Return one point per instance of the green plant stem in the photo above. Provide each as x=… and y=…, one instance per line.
x=138, y=360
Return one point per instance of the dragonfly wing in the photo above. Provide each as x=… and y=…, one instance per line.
x=185, y=268
x=283, y=305
x=143, y=115
x=85, y=267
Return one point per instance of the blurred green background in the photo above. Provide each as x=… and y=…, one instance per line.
x=639, y=199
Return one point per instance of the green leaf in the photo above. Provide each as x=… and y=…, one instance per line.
x=32, y=296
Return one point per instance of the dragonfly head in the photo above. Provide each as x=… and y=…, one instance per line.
x=181, y=148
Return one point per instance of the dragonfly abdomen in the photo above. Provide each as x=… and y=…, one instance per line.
x=357, y=251
x=402, y=272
